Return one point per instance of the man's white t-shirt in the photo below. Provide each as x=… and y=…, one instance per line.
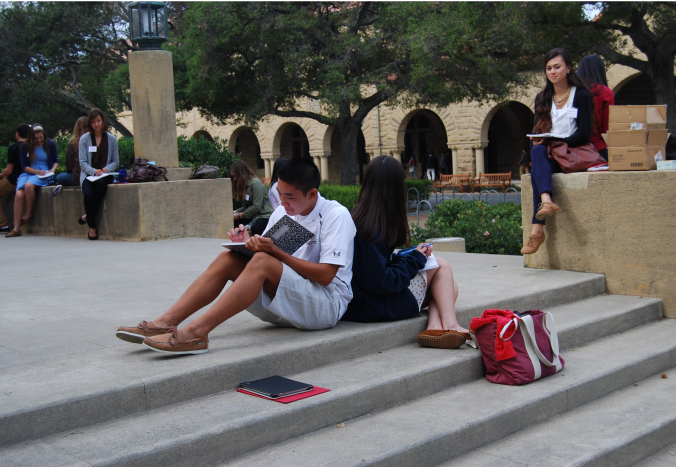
x=333, y=242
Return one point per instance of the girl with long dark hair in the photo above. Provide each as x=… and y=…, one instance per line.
x=98, y=155
x=251, y=192
x=389, y=286
x=593, y=71
x=564, y=107
x=38, y=156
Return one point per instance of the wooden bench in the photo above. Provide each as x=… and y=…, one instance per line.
x=461, y=181
x=492, y=180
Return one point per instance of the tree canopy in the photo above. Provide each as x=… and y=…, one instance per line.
x=611, y=33
x=245, y=60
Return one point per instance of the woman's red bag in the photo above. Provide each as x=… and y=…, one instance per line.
x=517, y=348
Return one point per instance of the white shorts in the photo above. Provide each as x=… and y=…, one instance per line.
x=299, y=303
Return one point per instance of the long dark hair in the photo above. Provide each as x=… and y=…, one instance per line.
x=381, y=205
x=593, y=71
x=90, y=118
x=544, y=97
x=242, y=175
x=279, y=163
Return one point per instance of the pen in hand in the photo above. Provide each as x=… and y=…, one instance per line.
x=245, y=227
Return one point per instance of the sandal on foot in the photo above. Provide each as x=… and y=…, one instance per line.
x=441, y=339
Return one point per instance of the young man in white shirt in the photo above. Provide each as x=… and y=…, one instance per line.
x=307, y=290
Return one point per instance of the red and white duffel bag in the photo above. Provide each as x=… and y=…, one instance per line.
x=517, y=348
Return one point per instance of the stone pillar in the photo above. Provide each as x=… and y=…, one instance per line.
x=479, y=158
x=151, y=75
x=454, y=150
x=324, y=167
x=397, y=153
x=269, y=161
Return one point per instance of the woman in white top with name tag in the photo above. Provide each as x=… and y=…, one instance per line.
x=98, y=156
x=564, y=107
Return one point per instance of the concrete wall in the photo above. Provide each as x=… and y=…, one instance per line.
x=620, y=224
x=138, y=211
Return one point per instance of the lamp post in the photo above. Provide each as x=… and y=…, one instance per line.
x=151, y=75
x=148, y=24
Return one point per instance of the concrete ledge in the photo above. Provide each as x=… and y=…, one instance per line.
x=448, y=244
x=137, y=211
x=620, y=224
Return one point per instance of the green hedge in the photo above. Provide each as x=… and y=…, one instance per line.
x=486, y=229
x=344, y=194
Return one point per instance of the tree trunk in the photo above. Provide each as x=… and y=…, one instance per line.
x=662, y=75
x=112, y=121
x=349, y=131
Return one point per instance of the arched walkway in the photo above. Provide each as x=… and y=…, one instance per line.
x=203, y=134
x=244, y=142
x=421, y=132
x=637, y=90
x=291, y=142
x=505, y=129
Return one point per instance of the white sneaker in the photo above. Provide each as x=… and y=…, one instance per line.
x=56, y=190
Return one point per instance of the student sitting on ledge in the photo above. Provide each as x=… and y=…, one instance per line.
x=389, y=286
x=309, y=290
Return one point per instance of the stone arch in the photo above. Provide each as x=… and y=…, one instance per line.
x=635, y=90
x=286, y=136
x=245, y=142
x=504, y=129
x=419, y=132
x=203, y=134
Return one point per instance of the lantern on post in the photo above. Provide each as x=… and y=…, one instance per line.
x=148, y=24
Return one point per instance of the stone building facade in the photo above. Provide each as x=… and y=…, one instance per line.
x=483, y=138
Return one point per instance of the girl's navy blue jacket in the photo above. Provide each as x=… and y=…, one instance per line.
x=380, y=280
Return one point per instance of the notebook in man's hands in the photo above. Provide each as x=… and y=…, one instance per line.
x=276, y=387
x=287, y=234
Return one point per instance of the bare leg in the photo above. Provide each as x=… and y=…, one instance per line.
x=227, y=266
x=18, y=209
x=29, y=188
x=442, y=293
x=262, y=272
x=538, y=230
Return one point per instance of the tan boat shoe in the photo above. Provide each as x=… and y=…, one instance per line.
x=13, y=233
x=175, y=343
x=532, y=244
x=135, y=335
x=546, y=210
x=442, y=339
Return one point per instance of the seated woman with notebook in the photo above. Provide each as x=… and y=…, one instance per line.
x=390, y=286
x=250, y=191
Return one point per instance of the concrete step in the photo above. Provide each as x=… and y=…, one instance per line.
x=214, y=428
x=663, y=458
x=616, y=430
x=119, y=381
x=442, y=426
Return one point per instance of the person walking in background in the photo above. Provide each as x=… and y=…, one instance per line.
x=38, y=156
x=432, y=166
x=593, y=71
x=98, y=155
x=251, y=192
x=273, y=193
x=9, y=176
x=563, y=107
x=444, y=164
x=411, y=167
x=524, y=163
x=71, y=177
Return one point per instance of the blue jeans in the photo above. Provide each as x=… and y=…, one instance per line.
x=65, y=179
x=541, y=175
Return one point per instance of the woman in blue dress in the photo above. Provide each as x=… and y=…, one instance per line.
x=38, y=156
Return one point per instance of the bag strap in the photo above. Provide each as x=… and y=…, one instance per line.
x=550, y=329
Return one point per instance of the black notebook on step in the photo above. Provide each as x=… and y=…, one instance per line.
x=276, y=387
x=287, y=234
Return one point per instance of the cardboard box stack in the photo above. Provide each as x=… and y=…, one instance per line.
x=636, y=134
